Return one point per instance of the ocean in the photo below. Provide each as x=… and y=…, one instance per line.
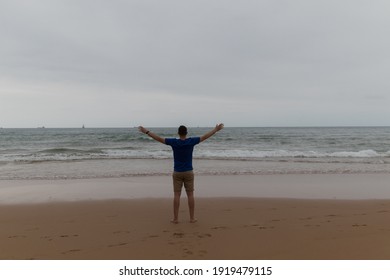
x=65, y=153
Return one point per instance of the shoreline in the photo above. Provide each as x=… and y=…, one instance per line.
x=297, y=186
x=122, y=168
x=227, y=228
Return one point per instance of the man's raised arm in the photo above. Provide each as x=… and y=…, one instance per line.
x=151, y=134
x=217, y=128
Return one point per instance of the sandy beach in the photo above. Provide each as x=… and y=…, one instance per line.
x=227, y=228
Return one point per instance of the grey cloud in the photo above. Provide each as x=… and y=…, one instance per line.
x=280, y=50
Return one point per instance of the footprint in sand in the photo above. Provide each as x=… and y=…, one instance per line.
x=261, y=227
x=204, y=235
x=264, y=228
x=312, y=225
x=220, y=227
x=121, y=231
x=71, y=251
x=188, y=252
x=66, y=235
x=117, y=245
x=358, y=225
x=48, y=238
x=178, y=234
x=307, y=218
x=17, y=236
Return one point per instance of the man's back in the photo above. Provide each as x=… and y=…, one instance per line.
x=182, y=152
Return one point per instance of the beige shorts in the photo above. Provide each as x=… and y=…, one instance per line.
x=183, y=178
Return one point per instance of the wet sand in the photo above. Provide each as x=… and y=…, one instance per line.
x=227, y=228
x=324, y=216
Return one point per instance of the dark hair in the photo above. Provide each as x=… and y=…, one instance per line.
x=182, y=131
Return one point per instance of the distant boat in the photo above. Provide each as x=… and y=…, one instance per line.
x=83, y=126
x=41, y=127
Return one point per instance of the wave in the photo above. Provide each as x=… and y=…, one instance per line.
x=68, y=151
x=70, y=154
x=253, y=154
x=97, y=175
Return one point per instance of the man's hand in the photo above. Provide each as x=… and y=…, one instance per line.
x=219, y=127
x=142, y=129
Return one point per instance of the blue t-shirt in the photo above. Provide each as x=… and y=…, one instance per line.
x=182, y=152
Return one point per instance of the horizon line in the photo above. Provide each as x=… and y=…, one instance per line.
x=131, y=127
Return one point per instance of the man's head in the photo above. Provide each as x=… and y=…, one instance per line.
x=182, y=131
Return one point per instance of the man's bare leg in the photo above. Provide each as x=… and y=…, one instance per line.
x=191, y=206
x=176, y=205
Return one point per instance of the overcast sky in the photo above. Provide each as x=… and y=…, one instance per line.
x=64, y=63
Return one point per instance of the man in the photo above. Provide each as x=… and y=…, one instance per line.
x=183, y=171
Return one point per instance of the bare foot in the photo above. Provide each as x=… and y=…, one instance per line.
x=174, y=221
x=193, y=221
